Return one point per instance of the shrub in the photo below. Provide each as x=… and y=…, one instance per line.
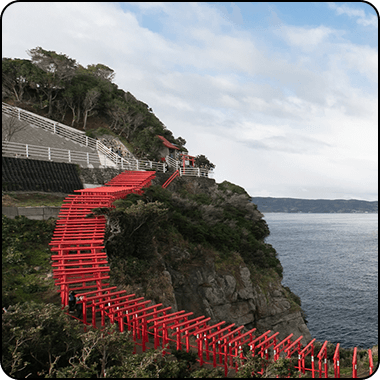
x=263, y=368
x=36, y=338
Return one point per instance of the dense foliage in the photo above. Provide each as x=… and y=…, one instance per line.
x=25, y=259
x=63, y=90
x=226, y=222
x=41, y=341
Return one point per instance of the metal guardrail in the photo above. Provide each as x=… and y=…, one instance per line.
x=13, y=149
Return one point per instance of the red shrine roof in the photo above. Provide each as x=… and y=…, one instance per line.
x=167, y=143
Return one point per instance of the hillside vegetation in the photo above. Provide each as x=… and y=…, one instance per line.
x=216, y=222
x=58, y=87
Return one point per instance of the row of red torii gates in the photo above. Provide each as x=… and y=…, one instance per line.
x=80, y=264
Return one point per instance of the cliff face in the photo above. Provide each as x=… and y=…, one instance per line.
x=233, y=282
x=234, y=298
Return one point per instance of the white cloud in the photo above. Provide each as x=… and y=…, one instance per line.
x=149, y=5
x=359, y=14
x=305, y=38
x=273, y=120
x=363, y=59
x=256, y=104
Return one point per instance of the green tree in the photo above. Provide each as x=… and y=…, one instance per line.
x=125, y=118
x=17, y=75
x=81, y=86
x=36, y=339
x=58, y=69
x=147, y=144
x=102, y=354
x=134, y=223
x=203, y=161
x=101, y=71
x=89, y=103
x=59, y=84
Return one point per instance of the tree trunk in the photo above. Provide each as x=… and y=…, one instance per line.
x=73, y=111
x=85, y=120
x=14, y=90
x=50, y=104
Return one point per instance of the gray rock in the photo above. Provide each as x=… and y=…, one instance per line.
x=205, y=292
x=286, y=324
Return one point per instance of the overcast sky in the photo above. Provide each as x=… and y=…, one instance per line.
x=281, y=97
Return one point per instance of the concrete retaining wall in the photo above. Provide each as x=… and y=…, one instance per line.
x=36, y=213
x=23, y=174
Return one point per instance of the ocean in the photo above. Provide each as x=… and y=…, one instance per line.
x=331, y=262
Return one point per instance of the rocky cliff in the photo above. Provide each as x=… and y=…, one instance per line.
x=231, y=295
x=206, y=255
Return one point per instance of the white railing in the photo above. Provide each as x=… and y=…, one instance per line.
x=129, y=163
x=12, y=149
x=49, y=125
x=172, y=162
x=140, y=165
x=62, y=130
x=150, y=165
x=195, y=172
x=188, y=171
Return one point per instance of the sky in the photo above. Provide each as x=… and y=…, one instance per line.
x=281, y=97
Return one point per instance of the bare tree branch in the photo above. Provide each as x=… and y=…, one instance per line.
x=10, y=126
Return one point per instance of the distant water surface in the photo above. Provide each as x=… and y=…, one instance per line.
x=331, y=262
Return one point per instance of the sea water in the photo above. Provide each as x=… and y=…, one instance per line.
x=331, y=262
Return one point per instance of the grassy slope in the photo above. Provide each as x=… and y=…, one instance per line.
x=26, y=265
x=26, y=199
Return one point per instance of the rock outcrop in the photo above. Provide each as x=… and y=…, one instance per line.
x=234, y=298
x=98, y=176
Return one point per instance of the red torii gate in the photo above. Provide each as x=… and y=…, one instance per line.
x=238, y=342
x=308, y=349
x=198, y=322
x=322, y=359
x=190, y=159
x=81, y=264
